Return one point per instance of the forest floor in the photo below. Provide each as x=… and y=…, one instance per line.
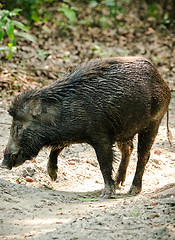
x=70, y=208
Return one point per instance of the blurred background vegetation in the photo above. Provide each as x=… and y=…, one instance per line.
x=50, y=36
x=106, y=13
x=42, y=10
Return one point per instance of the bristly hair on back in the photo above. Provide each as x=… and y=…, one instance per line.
x=70, y=82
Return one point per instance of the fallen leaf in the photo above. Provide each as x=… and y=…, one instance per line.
x=158, y=152
x=150, y=31
x=71, y=163
x=154, y=216
x=29, y=179
x=154, y=203
x=60, y=213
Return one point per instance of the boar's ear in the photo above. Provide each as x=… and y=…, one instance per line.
x=35, y=107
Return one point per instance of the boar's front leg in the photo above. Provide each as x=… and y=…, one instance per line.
x=52, y=167
x=126, y=149
x=104, y=154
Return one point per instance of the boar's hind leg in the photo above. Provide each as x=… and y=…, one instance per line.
x=52, y=167
x=104, y=154
x=145, y=141
x=126, y=149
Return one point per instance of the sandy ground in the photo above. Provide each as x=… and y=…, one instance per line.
x=70, y=208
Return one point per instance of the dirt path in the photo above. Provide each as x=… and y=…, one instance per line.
x=57, y=210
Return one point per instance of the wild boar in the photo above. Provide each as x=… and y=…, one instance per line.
x=100, y=102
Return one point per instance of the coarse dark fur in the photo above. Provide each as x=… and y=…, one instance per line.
x=101, y=102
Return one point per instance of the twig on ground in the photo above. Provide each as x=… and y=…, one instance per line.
x=5, y=123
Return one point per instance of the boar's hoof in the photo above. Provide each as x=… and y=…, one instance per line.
x=52, y=173
x=134, y=190
x=107, y=192
x=53, y=177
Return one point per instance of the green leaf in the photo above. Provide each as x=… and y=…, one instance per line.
x=16, y=10
x=87, y=199
x=71, y=15
x=27, y=36
x=1, y=34
x=16, y=85
x=135, y=213
x=4, y=14
x=10, y=29
x=2, y=24
x=68, y=12
x=93, y=4
x=21, y=26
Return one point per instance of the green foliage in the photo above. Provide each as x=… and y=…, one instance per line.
x=9, y=27
x=167, y=21
x=32, y=9
x=69, y=17
x=153, y=10
x=163, y=20
x=68, y=12
x=42, y=55
x=114, y=7
x=64, y=26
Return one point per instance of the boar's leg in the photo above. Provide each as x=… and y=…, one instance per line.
x=126, y=149
x=104, y=154
x=145, y=141
x=52, y=167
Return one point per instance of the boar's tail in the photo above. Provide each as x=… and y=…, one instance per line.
x=169, y=134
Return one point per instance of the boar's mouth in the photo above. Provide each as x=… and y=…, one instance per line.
x=3, y=165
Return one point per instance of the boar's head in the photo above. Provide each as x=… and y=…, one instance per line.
x=29, y=130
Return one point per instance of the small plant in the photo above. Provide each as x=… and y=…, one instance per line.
x=69, y=17
x=167, y=21
x=42, y=55
x=10, y=27
x=164, y=20
x=69, y=12
x=153, y=10
x=135, y=213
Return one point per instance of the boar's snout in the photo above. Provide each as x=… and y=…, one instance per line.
x=4, y=165
x=9, y=161
x=12, y=156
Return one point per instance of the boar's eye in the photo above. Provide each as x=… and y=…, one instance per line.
x=17, y=128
